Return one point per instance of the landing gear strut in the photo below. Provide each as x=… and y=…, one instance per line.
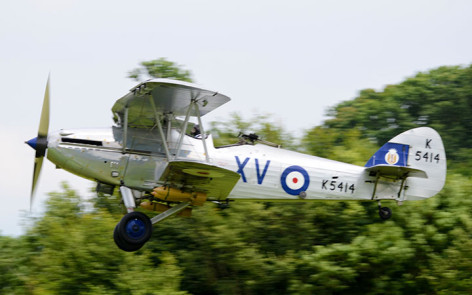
x=384, y=212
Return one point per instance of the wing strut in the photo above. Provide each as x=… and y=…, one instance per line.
x=159, y=127
x=207, y=157
x=182, y=133
x=164, y=142
x=125, y=130
x=193, y=103
x=169, y=129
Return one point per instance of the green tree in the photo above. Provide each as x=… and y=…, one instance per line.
x=440, y=98
x=71, y=251
x=227, y=132
x=160, y=68
x=13, y=265
x=342, y=145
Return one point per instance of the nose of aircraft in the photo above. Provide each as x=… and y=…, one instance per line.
x=32, y=142
x=39, y=144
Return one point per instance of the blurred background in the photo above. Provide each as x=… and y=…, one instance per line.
x=334, y=79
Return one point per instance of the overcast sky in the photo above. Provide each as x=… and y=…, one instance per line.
x=293, y=59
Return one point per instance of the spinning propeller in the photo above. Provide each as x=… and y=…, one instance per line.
x=40, y=143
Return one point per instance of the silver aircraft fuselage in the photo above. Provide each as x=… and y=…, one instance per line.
x=267, y=173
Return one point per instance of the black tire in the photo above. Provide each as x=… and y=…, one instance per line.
x=385, y=213
x=122, y=244
x=135, y=228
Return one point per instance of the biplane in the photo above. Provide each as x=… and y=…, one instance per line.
x=161, y=162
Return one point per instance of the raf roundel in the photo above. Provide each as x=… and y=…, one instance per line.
x=295, y=180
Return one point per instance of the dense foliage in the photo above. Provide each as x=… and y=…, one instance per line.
x=440, y=98
x=160, y=68
x=279, y=248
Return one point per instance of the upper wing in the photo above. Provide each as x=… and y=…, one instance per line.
x=164, y=96
x=215, y=181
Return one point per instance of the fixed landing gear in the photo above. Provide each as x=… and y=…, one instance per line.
x=135, y=228
x=384, y=212
x=133, y=231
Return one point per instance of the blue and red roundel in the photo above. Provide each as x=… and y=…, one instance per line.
x=295, y=180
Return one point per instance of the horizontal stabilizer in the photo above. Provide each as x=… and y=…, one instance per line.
x=397, y=171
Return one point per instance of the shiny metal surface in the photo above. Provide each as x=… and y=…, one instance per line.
x=261, y=168
x=128, y=198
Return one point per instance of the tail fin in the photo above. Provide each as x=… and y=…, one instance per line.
x=417, y=157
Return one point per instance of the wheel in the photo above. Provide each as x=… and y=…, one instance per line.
x=134, y=228
x=122, y=244
x=223, y=206
x=385, y=213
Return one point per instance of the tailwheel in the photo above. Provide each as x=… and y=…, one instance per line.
x=133, y=231
x=385, y=213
